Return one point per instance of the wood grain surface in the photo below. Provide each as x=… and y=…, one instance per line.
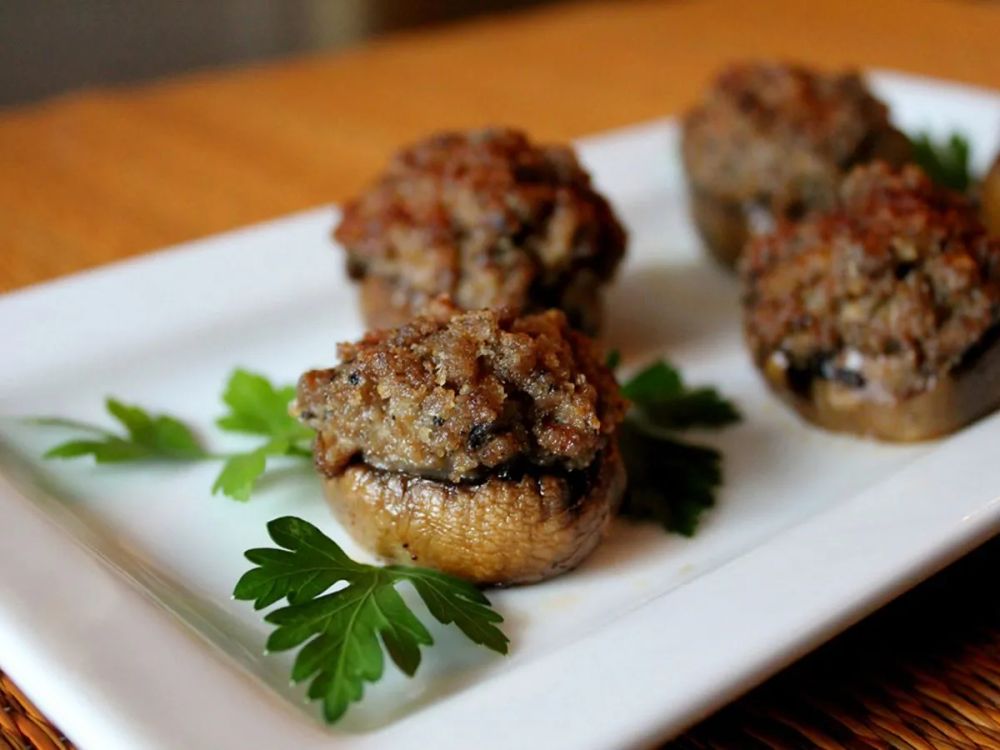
x=108, y=173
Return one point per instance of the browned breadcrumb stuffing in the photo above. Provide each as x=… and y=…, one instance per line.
x=781, y=136
x=454, y=395
x=890, y=291
x=488, y=218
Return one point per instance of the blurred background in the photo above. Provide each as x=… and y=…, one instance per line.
x=130, y=125
x=51, y=46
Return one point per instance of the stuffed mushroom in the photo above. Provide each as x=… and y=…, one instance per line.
x=773, y=141
x=880, y=317
x=488, y=218
x=479, y=443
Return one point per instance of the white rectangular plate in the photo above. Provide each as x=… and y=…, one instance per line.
x=115, y=608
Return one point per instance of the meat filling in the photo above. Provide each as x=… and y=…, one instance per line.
x=886, y=297
x=455, y=396
x=772, y=141
x=488, y=218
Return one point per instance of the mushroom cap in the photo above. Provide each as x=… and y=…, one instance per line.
x=953, y=401
x=479, y=443
x=880, y=317
x=772, y=140
x=499, y=531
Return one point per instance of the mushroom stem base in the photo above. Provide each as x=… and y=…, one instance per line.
x=958, y=398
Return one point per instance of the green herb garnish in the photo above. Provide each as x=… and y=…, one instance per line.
x=145, y=436
x=659, y=395
x=345, y=616
x=255, y=407
x=670, y=481
x=613, y=359
x=258, y=408
x=946, y=162
x=350, y=629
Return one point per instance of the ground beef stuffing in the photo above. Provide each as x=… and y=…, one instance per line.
x=896, y=287
x=488, y=218
x=784, y=134
x=455, y=395
x=773, y=141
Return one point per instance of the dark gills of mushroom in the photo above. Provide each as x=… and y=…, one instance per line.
x=882, y=316
x=488, y=218
x=479, y=443
x=772, y=140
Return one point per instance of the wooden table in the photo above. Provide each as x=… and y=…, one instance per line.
x=105, y=174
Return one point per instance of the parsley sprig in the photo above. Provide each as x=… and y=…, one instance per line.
x=946, y=162
x=255, y=407
x=345, y=616
x=347, y=631
x=659, y=395
x=145, y=436
x=670, y=480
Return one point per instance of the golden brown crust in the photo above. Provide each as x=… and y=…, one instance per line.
x=881, y=316
x=499, y=531
x=488, y=218
x=455, y=395
x=773, y=141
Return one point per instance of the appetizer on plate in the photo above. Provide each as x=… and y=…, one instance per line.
x=488, y=218
x=774, y=141
x=881, y=316
x=479, y=443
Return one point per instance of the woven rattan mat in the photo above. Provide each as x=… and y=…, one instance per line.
x=921, y=674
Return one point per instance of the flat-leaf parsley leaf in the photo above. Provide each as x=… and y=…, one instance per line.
x=260, y=408
x=658, y=394
x=946, y=162
x=256, y=407
x=670, y=481
x=346, y=631
x=146, y=436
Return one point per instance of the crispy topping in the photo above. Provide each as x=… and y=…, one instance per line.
x=456, y=395
x=488, y=218
x=890, y=290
